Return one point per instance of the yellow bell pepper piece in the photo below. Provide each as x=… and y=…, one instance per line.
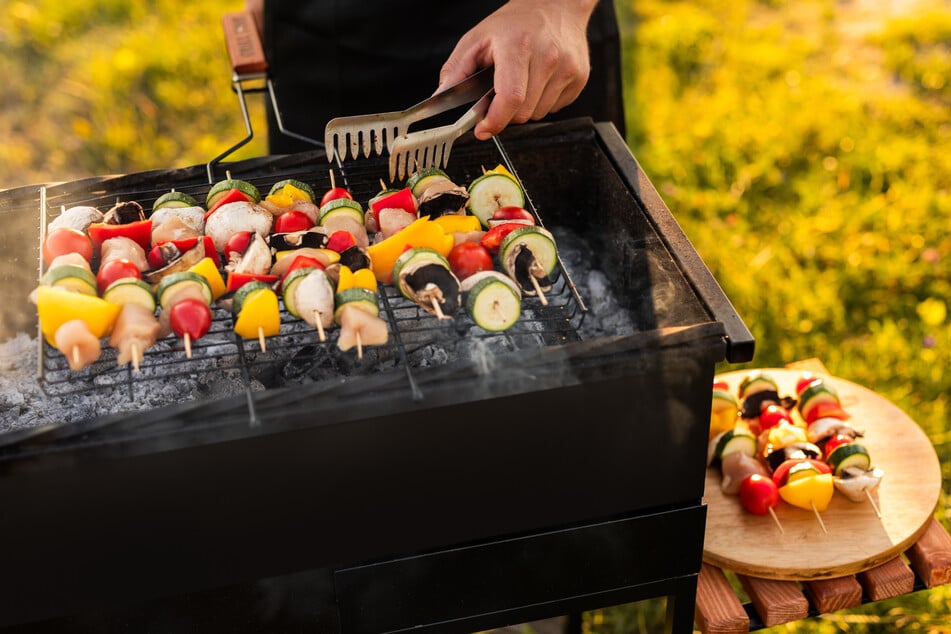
x=332, y=256
x=364, y=278
x=422, y=232
x=57, y=305
x=207, y=269
x=500, y=169
x=260, y=314
x=808, y=492
x=452, y=223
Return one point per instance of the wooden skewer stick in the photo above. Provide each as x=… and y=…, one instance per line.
x=333, y=182
x=261, y=339
x=76, y=358
x=776, y=519
x=818, y=517
x=382, y=185
x=437, y=309
x=228, y=174
x=359, y=346
x=135, y=356
x=320, y=326
x=188, y=346
x=538, y=289
x=871, y=501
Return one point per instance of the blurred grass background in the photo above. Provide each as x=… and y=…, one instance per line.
x=803, y=145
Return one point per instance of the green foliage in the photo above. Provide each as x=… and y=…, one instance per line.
x=105, y=86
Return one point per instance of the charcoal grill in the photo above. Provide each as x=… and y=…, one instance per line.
x=561, y=472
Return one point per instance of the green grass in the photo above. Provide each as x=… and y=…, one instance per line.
x=806, y=159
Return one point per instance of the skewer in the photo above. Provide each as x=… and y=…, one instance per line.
x=776, y=519
x=188, y=346
x=333, y=182
x=437, y=309
x=228, y=174
x=135, y=356
x=261, y=339
x=538, y=289
x=818, y=517
x=320, y=327
x=871, y=501
x=382, y=185
x=359, y=346
x=76, y=358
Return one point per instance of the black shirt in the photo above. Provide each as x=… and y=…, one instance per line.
x=331, y=58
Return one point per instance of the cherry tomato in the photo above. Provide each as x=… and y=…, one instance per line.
x=836, y=441
x=334, y=194
x=291, y=221
x=492, y=238
x=340, y=241
x=758, y=494
x=467, y=258
x=773, y=415
x=237, y=243
x=66, y=240
x=190, y=317
x=114, y=270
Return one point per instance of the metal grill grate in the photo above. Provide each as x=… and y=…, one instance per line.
x=417, y=339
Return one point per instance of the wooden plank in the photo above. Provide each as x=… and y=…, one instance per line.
x=857, y=539
x=718, y=610
x=831, y=595
x=930, y=556
x=775, y=601
x=243, y=43
x=893, y=578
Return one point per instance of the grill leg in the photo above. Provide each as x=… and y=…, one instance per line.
x=573, y=623
x=680, y=606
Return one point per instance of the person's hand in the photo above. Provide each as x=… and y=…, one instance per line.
x=540, y=52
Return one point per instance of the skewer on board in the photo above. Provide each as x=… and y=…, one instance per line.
x=818, y=517
x=871, y=501
x=776, y=519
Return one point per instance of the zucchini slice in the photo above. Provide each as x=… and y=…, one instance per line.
x=293, y=182
x=362, y=298
x=130, y=290
x=287, y=288
x=74, y=278
x=528, y=252
x=343, y=206
x=171, y=284
x=494, y=302
x=491, y=191
x=849, y=455
x=222, y=187
x=174, y=199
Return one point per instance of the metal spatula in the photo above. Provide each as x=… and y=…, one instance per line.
x=379, y=131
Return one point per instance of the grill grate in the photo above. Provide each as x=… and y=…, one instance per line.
x=295, y=355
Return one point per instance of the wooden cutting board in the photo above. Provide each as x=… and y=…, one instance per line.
x=857, y=540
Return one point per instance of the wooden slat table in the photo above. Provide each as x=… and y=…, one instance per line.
x=804, y=572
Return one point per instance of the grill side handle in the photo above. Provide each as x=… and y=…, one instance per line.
x=740, y=342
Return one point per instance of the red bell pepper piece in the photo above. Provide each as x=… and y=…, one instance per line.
x=184, y=244
x=140, y=231
x=340, y=241
x=403, y=199
x=237, y=280
x=233, y=195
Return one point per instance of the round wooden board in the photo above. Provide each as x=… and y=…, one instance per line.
x=857, y=540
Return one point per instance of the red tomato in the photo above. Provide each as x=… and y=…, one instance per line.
x=467, y=258
x=340, y=241
x=334, y=194
x=237, y=243
x=291, y=221
x=66, y=240
x=836, y=441
x=492, y=238
x=114, y=270
x=758, y=494
x=190, y=317
x=237, y=280
x=512, y=213
x=772, y=416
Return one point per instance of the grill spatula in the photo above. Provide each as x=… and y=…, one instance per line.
x=352, y=135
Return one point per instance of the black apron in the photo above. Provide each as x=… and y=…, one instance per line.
x=330, y=58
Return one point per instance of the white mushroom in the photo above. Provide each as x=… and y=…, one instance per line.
x=231, y=218
x=78, y=218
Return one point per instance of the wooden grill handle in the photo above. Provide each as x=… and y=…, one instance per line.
x=244, y=43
